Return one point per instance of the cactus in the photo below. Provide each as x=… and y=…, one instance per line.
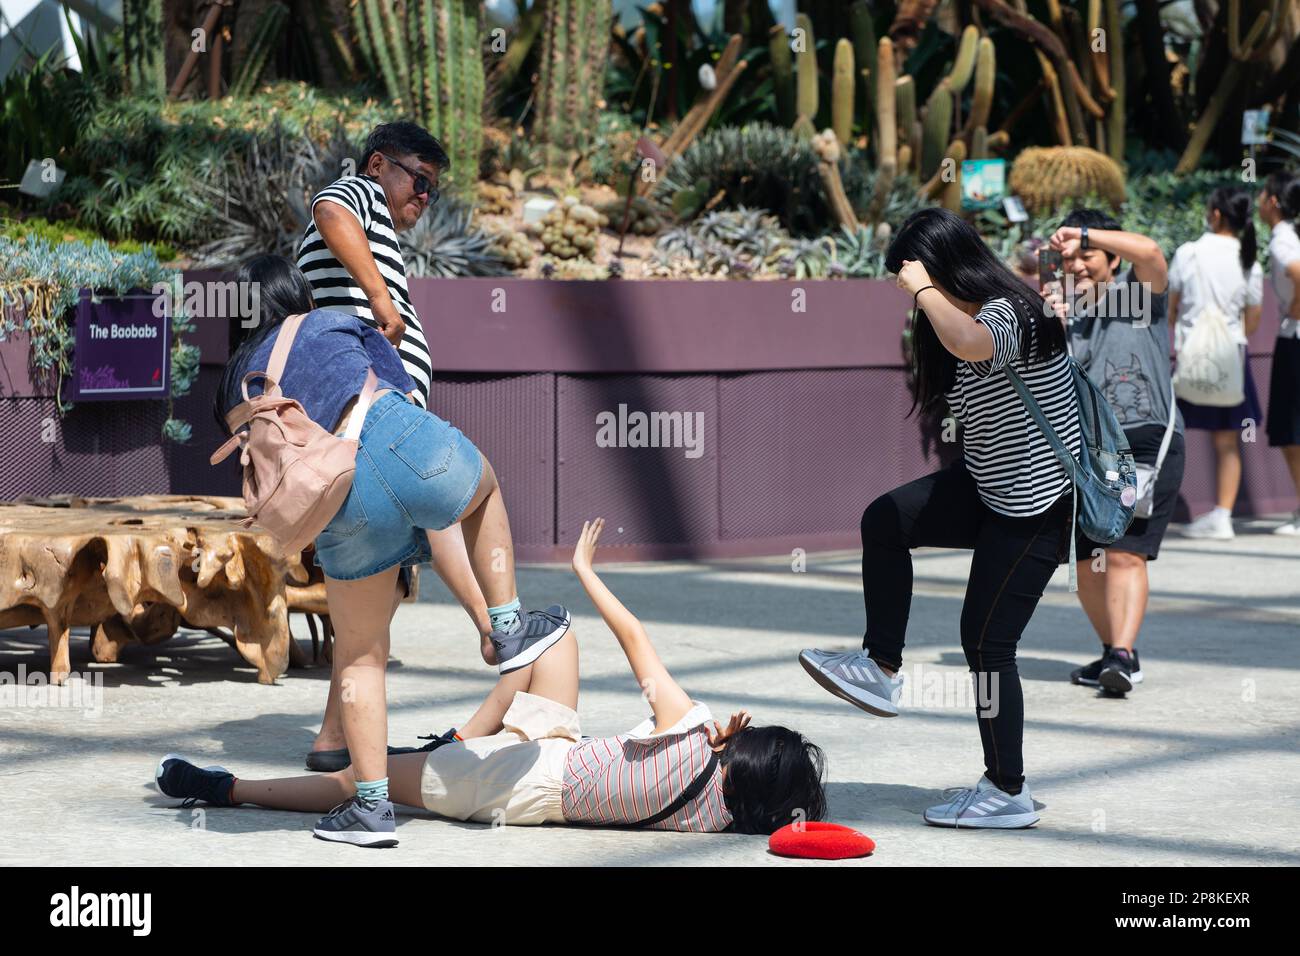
x=143, y=47
x=964, y=66
x=905, y=111
x=985, y=74
x=806, y=104
x=936, y=128
x=888, y=151
x=864, y=53
x=1046, y=177
x=428, y=53
x=570, y=84
x=782, y=76
x=842, y=92
x=950, y=196
x=259, y=51
x=979, y=143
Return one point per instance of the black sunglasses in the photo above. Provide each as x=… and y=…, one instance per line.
x=419, y=182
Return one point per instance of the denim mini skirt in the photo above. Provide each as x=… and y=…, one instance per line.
x=415, y=473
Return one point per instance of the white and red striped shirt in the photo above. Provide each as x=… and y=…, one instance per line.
x=628, y=778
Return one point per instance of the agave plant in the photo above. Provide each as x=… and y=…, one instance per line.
x=860, y=253
x=446, y=243
x=807, y=258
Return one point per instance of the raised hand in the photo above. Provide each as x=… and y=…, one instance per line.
x=719, y=737
x=585, y=550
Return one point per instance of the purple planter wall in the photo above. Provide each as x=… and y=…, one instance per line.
x=804, y=413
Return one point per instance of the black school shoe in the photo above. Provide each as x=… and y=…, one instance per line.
x=329, y=761
x=1090, y=675
x=1120, y=671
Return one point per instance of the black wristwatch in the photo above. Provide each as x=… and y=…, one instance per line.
x=1083, y=237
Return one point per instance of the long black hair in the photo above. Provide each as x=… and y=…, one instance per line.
x=282, y=291
x=961, y=264
x=1235, y=205
x=774, y=777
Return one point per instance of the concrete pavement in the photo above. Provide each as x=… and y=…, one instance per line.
x=1200, y=765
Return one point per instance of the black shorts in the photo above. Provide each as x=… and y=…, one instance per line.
x=1145, y=534
x=1284, y=394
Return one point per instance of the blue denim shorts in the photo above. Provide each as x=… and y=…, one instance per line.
x=415, y=473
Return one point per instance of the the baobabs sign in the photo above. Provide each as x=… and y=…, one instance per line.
x=122, y=349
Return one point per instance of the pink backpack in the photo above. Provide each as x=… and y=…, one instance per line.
x=296, y=474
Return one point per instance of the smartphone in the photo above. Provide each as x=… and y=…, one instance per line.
x=1049, y=266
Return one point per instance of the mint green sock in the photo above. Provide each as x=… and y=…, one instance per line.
x=506, y=617
x=372, y=791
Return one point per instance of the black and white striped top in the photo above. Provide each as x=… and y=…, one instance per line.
x=1012, y=463
x=334, y=288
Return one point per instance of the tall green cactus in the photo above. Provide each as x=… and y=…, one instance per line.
x=429, y=53
x=905, y=109
x=143, y=47
x=936, y=128
x=985, y=74
x=863, y=29
x=782, y=75
x=806, y=56
x=842, y=86
x=570, y=84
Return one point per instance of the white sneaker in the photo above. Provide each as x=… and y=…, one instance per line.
x=855, y=677
x=1216, y=525
x=984, y=806
x=1291, y=528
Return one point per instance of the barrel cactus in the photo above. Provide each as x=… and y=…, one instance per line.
x=1044, y=178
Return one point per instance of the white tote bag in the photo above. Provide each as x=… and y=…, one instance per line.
x=1210, y=370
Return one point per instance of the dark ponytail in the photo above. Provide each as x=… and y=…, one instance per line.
x=1234, y=205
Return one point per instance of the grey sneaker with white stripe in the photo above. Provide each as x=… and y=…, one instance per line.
x=984, y=806
x=855, y=677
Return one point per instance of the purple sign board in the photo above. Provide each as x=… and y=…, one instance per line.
x=123, y=349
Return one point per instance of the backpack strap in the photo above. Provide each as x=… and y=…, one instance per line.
x=283, y=342
x=238, y=416
x=1068, y=461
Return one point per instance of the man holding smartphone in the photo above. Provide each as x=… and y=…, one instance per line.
x=1118, y=331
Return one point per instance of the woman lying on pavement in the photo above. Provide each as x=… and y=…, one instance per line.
x=521, y=759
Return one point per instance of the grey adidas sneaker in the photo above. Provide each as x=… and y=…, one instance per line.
x=360, y=823
x=538, y=632
x=984, y=806
x=855, y=677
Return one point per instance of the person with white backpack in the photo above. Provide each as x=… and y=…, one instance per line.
x=1215, y=293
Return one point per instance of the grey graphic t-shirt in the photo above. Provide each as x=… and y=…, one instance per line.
x=1122, y=342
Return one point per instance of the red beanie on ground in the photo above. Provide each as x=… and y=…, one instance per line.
x=820, y=841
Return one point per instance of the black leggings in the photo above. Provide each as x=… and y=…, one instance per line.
x=1013, y=561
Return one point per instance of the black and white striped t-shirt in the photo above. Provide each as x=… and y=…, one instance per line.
x=334, y=288
x=1012, y=463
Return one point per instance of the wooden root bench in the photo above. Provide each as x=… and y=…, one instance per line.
x=137, y=569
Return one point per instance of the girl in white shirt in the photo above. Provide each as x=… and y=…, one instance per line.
x=1220, y=266
x=1279, y=204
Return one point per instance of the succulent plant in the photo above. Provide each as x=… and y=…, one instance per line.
x=445, y=243
x=860, y=253
x=512, y=246
x=570, y=230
